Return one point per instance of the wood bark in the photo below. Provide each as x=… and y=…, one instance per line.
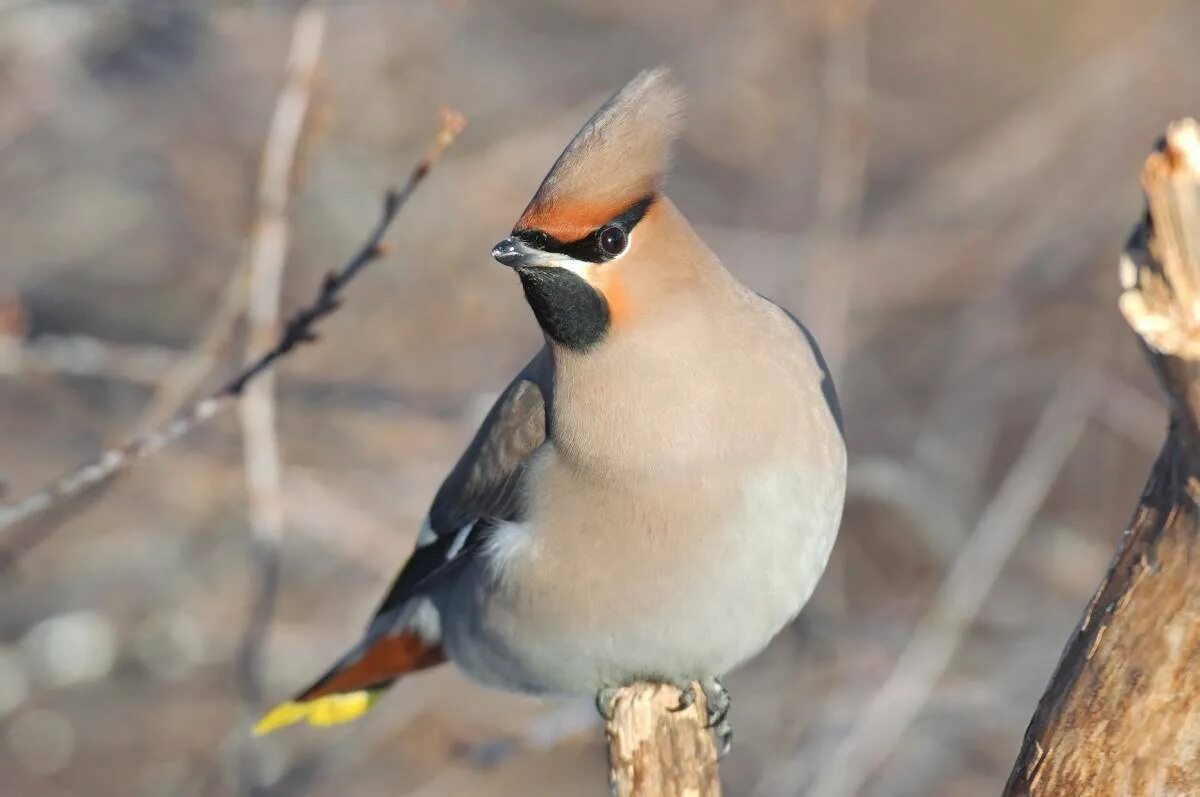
x=656, y=752
x=1121, y=715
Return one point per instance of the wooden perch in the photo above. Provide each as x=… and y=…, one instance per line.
x=1122, y=712
x=656, y=752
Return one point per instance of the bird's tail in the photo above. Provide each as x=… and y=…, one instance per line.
x=355, y=683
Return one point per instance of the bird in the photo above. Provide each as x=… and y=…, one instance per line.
x=654, y=496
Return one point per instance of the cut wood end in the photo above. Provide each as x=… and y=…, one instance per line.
x=1179, y=157
x=654, y=750
x=1167, y=313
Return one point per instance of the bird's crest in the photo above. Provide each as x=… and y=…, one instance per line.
x=619, y=157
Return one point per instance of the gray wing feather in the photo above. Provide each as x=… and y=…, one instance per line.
x=827, y=388
x=483, y=488
x=486, y=482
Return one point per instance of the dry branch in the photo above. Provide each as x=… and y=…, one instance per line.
x=656, y=752
x=19, y=526
x=1122, y=712
x=262, y=463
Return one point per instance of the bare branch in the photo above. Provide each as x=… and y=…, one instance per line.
x=18, y=533
x=260, y=444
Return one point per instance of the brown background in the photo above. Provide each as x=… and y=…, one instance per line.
x=948, y=225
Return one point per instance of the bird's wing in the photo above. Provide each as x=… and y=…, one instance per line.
x=485, y=487
x=827, y=388
x=485, y=481
x=482, y=490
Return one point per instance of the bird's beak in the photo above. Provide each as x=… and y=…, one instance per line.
x=515, y=253
x=508, y=252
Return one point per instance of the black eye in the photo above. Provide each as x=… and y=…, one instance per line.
x=613, y=240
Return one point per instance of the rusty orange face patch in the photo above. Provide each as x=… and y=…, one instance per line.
x=607, y=279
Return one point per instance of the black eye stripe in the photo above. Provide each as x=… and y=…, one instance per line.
x=587, y=248
x=634, y=214
x=537, y=239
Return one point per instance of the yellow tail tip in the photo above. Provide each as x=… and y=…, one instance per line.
x=322, y=712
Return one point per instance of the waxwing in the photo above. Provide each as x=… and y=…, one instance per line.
x=655, y=495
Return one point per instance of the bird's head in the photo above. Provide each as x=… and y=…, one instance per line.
x=599, y=243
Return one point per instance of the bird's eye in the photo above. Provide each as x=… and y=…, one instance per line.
x=613, y=240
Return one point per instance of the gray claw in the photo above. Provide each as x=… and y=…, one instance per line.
x=718, y=701
x=687, y=697
x=724, y=733
x=604, y=701
x=717, y=698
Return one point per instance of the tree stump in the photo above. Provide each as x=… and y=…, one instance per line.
x=1121, y=715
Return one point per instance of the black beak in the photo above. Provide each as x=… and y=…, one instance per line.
x=508, y=253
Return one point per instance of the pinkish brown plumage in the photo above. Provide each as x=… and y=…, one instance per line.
x=656, y=494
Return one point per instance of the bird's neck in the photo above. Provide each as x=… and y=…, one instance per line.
x=637, y=403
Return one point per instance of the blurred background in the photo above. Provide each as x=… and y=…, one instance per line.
x=941, y=189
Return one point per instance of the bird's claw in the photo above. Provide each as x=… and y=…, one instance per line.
x=716, y=700
x=717, y=703
x=724, y=733
x=687, y=697
x=604, y=702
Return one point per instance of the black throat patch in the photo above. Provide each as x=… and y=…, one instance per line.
x=571, y=312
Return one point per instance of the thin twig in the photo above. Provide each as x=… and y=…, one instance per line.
x=260, y=444
x=300, y=329
x=892, y=709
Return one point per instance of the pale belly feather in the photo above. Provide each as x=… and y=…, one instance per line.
x=752, y=576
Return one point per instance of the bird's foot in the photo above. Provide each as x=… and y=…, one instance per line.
x=723, y=731
x=604, y=702
x=718, y=702
x=716, y=697
x=687, y=696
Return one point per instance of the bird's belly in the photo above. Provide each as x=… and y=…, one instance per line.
x=493, y=628
x=773, y=552
x=669, y=601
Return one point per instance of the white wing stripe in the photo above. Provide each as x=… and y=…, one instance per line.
x=460, y=539
x=426, y=535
